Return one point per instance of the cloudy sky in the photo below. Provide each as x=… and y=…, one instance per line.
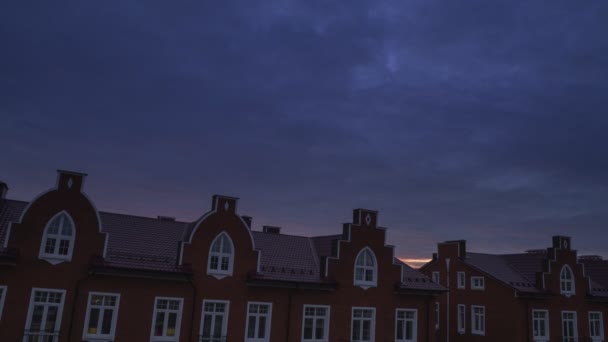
x=473, y=119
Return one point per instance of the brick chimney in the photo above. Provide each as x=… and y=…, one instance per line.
x=70, y=180
x=271, y=229
x=365, y=217
x=561, y=242
x=3, y=190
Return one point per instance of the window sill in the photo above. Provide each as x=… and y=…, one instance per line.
x=98, y=338
x=219, y=275
x=53, y=259
x=164, y=339
x=478, y=333
x=366, y=286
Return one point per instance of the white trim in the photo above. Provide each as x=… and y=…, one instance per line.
x=405, y=320
x=268, y=315
x=372, y=333
x=325, y=322
x=435, y=277
x=475, y=286
x=573, y=338
x=461, y=280
x=600, y=337
x=461, y=318
x=219, y=273
x=365, y=284
x=571, y=281
x=101, y=337
x=545, y=322
x=225, y=315
x=4, y=288
x=482, y=316
x=56, y=258
x=178, y=321
x=437, y=316
x=30, y=309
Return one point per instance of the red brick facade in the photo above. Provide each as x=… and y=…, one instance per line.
x=139, y=259
x=517, y=288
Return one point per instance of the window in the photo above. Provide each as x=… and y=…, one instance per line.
x=435, y=276
x=365, y=269
x=478, y=283
x=363, y=324
x=100, y=320
x=44, y=315
x=566, y=281
x=407, y=322
x=2, y=296
x=478, y=320
x=58, y=239
x=461, y=280
x=214, y=321
x=540, y=325
x=436, y=315
x=258, y=322
x=462, y=318
x=315, y=324
x=221, y=257
x=166, y=319
x=569, y=326
x=596, y=326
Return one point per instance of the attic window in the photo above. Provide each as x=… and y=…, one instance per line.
x=58, y=239
x=567, y=281
x=366, y=269
x=221, y=257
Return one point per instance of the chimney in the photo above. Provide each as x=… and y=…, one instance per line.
x=248, y=220
x=3, y=190
x=561, y=242
x=365, y=217
x=271, y=229
x=70, y=180
x=166, y=218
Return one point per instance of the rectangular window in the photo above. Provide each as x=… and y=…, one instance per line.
x=540, y=325
x=2, y=297
x=258, y=322
x=166, y=319
x=478, y=283
x=214, y=321
x=315, y=323
x=100, y=319
x=44, y=315
x=435, y=277
x=478, y=320
x=462, y=318
x=460, y=280
x=569, y=326
x=596, y=326
x=406, y=325
x=363, y=324
x=436, y=315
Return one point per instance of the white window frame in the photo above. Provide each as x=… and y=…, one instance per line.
x=178, y=322
x=573, y=338
x=539, y=321
x=405, y=320
x=28, y=321
x=482, y=316
x=266, y=338
x=437, y=317
x=435, y=277
x=461, y=318
x=219, y=273
x=56, y=258
x=224, y=315
x=4, y=288
x=600, y=321
x=461, y=280
x=372, y=332
x=563, y=283
x=315, y=318
x=100, y=337
x=362, y=282
x=475, y=286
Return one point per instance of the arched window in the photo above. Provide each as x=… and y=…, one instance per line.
x=221, y=256
x=58, y=239
x=366, y=269
x=566, y=281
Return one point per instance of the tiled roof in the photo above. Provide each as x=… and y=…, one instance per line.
x=500, y=267
x=143, y=243
x=10, y=211
x=597, y=270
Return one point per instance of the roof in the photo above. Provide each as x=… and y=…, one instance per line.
x=597, y=270
x=515, y=270
x=151, y=244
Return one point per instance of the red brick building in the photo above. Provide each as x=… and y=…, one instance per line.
x=542, y=295
x=69, y=272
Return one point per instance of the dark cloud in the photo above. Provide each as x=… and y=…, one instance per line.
x=478, y=120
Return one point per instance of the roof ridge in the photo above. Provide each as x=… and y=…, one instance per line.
x=143, y=217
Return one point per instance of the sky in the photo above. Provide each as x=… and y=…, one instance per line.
x=473, y=119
